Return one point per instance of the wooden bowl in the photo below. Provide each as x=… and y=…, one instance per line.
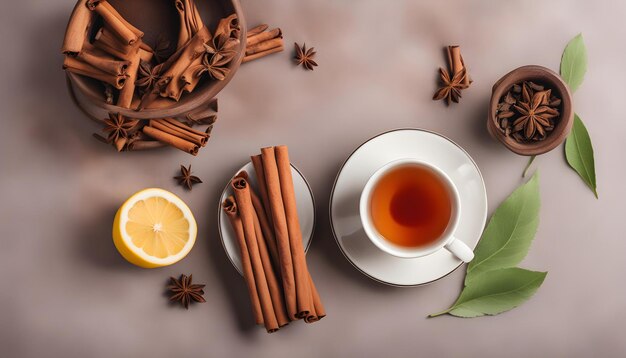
x=544, y=76
x=159, y=18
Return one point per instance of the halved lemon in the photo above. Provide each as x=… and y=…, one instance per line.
x=154, y=228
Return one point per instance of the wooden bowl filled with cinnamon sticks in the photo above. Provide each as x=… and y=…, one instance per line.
x=150, y=69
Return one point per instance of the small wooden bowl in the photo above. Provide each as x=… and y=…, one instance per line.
x=159, y=18
x=544, y=76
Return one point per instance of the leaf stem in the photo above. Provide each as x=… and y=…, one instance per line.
x=532, y=159
x=440, y=313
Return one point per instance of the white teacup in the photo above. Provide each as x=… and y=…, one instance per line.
x=445, y=241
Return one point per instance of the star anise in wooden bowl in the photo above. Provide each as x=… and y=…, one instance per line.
x=531, y=110
x=528, y=112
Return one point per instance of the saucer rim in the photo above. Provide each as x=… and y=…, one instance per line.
x=220, y=210
x=332, y=194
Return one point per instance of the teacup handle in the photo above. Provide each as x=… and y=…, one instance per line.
x=459, y=249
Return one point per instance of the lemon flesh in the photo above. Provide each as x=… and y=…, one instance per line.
x=154, y=228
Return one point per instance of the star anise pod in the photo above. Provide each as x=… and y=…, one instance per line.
x=183, y=291
x=528, y=112
x=223, y=46
x=451, y=87
x=147, y=75
x=305, y=57
x=214, y=65
x=118, y=126
x=535, y=113
x=186, y=179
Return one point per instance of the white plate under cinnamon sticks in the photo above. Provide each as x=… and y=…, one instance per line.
x=304, y=202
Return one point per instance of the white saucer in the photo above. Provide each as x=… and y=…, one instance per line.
x=363, y=162
x=304, y=203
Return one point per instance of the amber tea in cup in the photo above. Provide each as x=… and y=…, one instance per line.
x=411, y=206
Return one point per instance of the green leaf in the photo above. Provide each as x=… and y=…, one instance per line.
x=496, y=291
x=579, y=154
x=511, y=229
x=574, y=62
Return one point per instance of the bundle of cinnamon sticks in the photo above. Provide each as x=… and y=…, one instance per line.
x=268, y=233
x=112, y=56
x=176, y=134
x=261, y=42
x=129, y=134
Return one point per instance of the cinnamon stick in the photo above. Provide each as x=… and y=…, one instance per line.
x=74, y=65
x=228, y=26
x=184, y=33
x=184, y=127
x=106, y=36
x=89, y=47
x=77, y=27
x=178, y=129
x=256, y=30
x=263, y=43
x=125, y=97
x=176, y=134
x=246, y=212
x=268, y=234
x=99, y=44
x=295, y=234
x=270, y=171
x=266, y=259
x=468, y=79
x=196, y=18
x=111, y=46
x=264, y=224
x=263, y=36
x=190, y=77
x=162, y=126
x=172, y=140
x=320, y=312
x=276, y=295
x=456, y=63
x=104, y=63
x=454, y=59
x=264, y=46
x=230, y=208
x=257, y=163
x=144, y=144
x=262, y=54
x=122, y=28
x=119, y=16
x=190, y=21
x=301, y=272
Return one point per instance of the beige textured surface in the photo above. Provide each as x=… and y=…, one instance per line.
x=67, y=293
